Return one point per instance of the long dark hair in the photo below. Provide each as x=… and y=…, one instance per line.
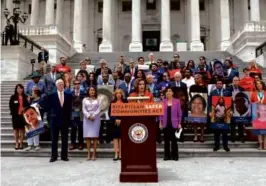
x=191, y=61
x=143, y=74
x=88, y=91
x=20, y=86
x=93, y=82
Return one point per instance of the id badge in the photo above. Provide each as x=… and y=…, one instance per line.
x=16, y=101
x=76, y=109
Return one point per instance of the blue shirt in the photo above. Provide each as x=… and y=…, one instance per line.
x=40, y=85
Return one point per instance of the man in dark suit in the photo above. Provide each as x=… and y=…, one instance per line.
x=177, y=82
x=131, y=69
x=9, y=30
x=60, y=105
x=220, y=91
x=99, y=71
x=43, y=58
x=236, y=88
x=230, y=71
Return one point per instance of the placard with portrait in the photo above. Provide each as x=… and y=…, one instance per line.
x=259, y=118
x=197, y=109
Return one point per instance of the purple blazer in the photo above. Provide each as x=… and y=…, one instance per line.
x=176, y=113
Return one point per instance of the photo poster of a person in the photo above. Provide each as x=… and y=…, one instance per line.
x=197, y=108
x=181, y=94
x=259, y=118
x=34, y=124
x=241, y=107
x=221, y=112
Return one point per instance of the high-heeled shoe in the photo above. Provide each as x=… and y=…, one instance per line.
x=21, y=146
x=115, y=159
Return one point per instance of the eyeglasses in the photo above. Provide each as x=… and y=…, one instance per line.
x=76, y=83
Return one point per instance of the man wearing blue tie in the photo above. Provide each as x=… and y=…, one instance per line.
x=60, y=106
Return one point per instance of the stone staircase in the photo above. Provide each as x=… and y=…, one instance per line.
x=186, y=149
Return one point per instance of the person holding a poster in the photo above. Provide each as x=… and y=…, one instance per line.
x=259, y=124
x=141, y=91
x=247, y=82
x=91, y=107
x=198, y=88
x=60, y=105
x=170, y=122
x=259, y=95
x=18, y=101
x=218, y=114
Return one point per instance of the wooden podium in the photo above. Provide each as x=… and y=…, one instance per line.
x=138, y=141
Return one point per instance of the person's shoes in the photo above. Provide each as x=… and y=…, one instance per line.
x=176, y=159
x=53, y=160
x=72, y=147
x=16, y=147
x=29, y=148
x=80, y=147
x=21, y=146
x=115, y=159
x=166, y=158
x=37, y=148
x=226, y=149
x=64, y=159
x=215, y=149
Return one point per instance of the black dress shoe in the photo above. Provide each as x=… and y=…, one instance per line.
x=53, y=160
x=226, y=149
x=166, y=158
x=175, y=159
x=215, y=149
x=115, y=159
x=64, y=159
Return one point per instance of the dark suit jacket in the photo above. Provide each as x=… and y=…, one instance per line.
x=45, y=57
x=182, y=85
x=98, y=72
x=14, y=104
x=127, y=70
x=231, y=89
x=60, y=116
x=232, y=74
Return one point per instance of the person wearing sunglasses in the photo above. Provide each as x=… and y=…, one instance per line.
x=77, y=96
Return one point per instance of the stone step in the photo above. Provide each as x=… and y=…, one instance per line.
x=186, y=144
x=109, y=153
x=188, y=136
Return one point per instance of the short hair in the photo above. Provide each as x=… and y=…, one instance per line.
x=198, y=75
x=149, y=75
x=62, y=57
x=202, y=57
x=59, y=81
x=141, y=58
x=178, y=73
x=127, y=74
x=82, y=62
x=201, y=98
x=217, y=62
x=167, y=88
x=154, y=64
x=243, y=95
x=103, y=61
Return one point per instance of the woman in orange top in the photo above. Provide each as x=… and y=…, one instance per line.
x=141, y=91
x=18, y=101
x=259, y=96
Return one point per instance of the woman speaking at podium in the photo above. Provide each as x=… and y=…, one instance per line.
x=141, y=91
x=169, y=122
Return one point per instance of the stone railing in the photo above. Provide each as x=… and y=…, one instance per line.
x=42, y=30
x=244, y=42
x=254, y=26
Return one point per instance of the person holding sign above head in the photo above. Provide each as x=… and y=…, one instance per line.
x=141, y=91
x=91, y=107
x=170, y=122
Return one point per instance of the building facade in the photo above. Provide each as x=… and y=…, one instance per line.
x=143, y=25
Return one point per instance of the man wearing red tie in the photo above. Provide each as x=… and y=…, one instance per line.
x=131, y=69
x=60, y=105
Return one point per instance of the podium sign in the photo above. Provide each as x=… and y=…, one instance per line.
x=138, y=140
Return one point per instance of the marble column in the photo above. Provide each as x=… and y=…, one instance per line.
x=10, y=6
x=136, y=44
x=245, y=11
x=194, y=26
x=49, y=12
x=106, y=45
x=166, y=44
x=77, y=26
x=255, y=10
x=34, y=17
x=59, y=14
x=225, y=25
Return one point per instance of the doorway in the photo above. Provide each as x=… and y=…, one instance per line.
x=151, y=40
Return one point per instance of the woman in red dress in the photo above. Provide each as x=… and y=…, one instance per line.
x=141, y=91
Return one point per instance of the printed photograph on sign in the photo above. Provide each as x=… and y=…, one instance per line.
x=34, y=124
x=198, y=108
x=259, y=118
x=221, y=112
x=241, y=107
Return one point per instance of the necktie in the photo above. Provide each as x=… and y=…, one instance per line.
x=61, y=99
